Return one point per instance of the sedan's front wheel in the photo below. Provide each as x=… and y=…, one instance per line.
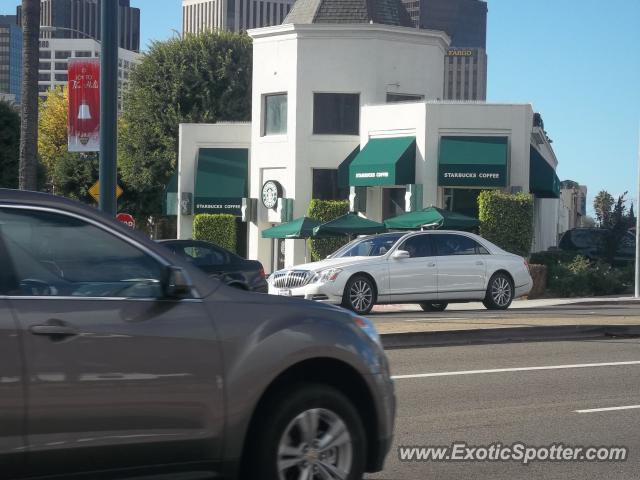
x=500, y=292
x=359, y=295
x=310, y=432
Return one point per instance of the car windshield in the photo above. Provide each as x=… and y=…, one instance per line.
x=369, y=246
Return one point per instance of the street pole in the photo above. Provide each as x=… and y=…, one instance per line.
x=637, y=283
x=108, y=105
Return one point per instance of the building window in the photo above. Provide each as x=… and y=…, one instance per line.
x=45, y=53
x=44, y=66
x=275, y=114
x=44, y=77
x=62, y=54
x=61, y=77
x=83, y=54
x=336, y=113
x=402, y=97
x=325, y=185
x=61, y=66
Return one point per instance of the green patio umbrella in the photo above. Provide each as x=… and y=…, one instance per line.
x=349, y=224
x=299, y=228
x=432, y=217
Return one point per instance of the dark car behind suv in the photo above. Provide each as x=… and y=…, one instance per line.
x=119, y=359
x=220, y=263
x=590, y=243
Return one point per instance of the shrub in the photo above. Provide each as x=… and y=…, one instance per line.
x=325, y=210
x=216, y=228
x=507, y=220
x=580, y=277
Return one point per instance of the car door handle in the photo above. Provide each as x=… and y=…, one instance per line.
x=431, y=264
x=479, y=262
x=54, y=330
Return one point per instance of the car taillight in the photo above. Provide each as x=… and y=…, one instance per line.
x=526, y=264
x=262, y=274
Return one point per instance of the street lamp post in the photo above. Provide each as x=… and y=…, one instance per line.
x=108, y=106
x=637, y=282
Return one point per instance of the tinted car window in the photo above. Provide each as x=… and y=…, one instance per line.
x=457, y=245
x=369, y=247
x=203, y=256
x=588, y=238
x=418, y=246
x=58, y=255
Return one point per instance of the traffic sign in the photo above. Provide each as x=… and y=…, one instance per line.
x=127, y=219
x=94, y=191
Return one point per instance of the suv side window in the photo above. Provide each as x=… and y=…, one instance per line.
x=448, y=244
x=418, y=246
x=53, y=254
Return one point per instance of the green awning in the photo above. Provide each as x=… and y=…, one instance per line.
x=349, y=224
x=221, y=180
x=432, y=217
x=384, y=161
x=473, y=162
x=543, y=181
x=343, y=168
x=170, y=200
x=299, y=228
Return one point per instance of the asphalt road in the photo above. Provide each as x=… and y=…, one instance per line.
x=535, y=406
x=411, y=313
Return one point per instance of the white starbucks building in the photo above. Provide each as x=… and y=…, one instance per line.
x=347, y=104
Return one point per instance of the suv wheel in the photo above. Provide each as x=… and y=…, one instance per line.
x=359, y=295
x=500, y=292
x=433, y=307
x=310, y=432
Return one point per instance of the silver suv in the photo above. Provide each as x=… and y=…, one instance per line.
x=118, y=360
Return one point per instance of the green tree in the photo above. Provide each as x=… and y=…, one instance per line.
x=73, y=174
x=9, y=145
x=603, y=205
x=52, y=130
x=203, y=78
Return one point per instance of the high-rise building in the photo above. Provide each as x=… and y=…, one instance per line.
x=75, y=19
x=413, y=7
x=55, y=53
x=465, y=21
x=10, y=57
x=232, y=15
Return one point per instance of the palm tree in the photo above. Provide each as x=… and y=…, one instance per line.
x=29, y=124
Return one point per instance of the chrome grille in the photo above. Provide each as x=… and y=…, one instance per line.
x=291, y=278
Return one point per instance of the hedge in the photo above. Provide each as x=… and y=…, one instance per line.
x=325, y=210
x=219, y=228
x=507, y=220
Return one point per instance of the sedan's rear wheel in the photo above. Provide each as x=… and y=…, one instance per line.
x=433, y=307
x=359, y=295
x=500, y=292
x=310, y=432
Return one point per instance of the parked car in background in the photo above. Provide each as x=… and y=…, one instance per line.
x=590, y=243
x=120, y=359
x=432, y=268
x=220, y=263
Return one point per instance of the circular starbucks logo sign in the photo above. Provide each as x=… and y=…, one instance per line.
x=271, y=191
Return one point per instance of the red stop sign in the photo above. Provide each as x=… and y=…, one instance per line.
x=127, y=219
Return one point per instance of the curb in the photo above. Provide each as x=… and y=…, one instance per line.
x=506, y=335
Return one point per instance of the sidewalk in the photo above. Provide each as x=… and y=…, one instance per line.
x=409, y=326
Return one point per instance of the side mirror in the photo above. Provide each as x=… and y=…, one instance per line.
x=177, y=283
x=398, y=254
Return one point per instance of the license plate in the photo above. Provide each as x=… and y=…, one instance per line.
x=285, y=293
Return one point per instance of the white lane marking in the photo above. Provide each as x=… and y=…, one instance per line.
x=517, y=369
x=607, y=409
x=435, y=318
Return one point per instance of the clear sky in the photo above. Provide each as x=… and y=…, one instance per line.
x=576, y=61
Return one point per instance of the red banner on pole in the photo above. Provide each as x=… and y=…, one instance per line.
x=84, y=105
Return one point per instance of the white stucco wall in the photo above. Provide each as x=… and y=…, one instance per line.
x=191, y=138
x=370, y=60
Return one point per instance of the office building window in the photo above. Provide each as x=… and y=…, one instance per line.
x=62, y=54
x=45, y=53
x=44, y=66
x=61, y=77
x=336, y=113
x=83, y=54
x=61, y=65
x=275, y=114
x=325, y=185
x=44, y=77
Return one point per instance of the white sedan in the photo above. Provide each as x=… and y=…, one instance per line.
x=432, y=268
